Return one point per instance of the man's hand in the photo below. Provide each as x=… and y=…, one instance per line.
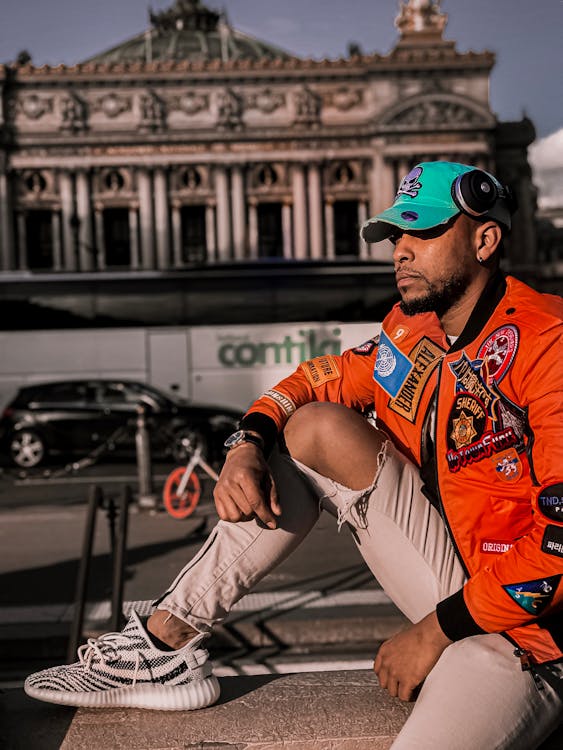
x=405, y=660
x=245, y=488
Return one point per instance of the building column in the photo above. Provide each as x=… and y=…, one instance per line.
x=134, y=238
x=146, y=220
x=299, y=213
x=100, y=235
x=382, y=183
x=223, y=214
x=238, y=212
x=315, y=212
x=362, y=218
x=210, y=234
x=67, y=211
x=329, y=224
x=7, y=250
x=162, y=222
x=286, y=229
x=253, y=238
x=56, y=238
x=84, y=214
x=22, y=241
x=176, y=235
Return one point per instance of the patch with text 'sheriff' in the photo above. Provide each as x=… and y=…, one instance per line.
x=392, y=367
x=320, y=370
x=550, y=502
x=534, y=596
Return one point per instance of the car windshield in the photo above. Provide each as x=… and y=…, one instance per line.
x=147, y=394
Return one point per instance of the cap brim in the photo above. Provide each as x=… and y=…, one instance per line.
x=381, y=226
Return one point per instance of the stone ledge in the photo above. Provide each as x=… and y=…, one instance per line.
x=316, y=710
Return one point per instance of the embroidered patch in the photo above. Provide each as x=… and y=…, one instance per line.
x=533, y=596
x=320, y=370
x=490, y=546
x=367, y=347
x=550, y=502
x=467, y=374
x=485, y=447
x=400, y=332
x=553, y=540
x=497, y=353
x=424, y=357
x=286, y=403
x=410, y=184
x=392, y=367
x=507, y=465
x=466, y=422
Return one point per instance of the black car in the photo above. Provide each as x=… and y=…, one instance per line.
x=77, y=417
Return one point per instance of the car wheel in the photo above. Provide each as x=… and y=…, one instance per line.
x=27, y=449
x=181, y=451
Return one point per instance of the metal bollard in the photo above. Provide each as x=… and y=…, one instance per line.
x=147, y=498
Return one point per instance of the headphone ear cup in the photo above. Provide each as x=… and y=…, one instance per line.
x=474, y=192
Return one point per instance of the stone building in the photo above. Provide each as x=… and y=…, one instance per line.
x=196, y=152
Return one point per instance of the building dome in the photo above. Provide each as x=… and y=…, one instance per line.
x=190, y=31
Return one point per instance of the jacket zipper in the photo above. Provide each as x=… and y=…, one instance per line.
x=440, y=502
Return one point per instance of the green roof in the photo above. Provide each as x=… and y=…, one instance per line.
x=188, y=30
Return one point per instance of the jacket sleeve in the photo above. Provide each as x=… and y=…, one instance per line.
x=343, y=379
x=525, y=584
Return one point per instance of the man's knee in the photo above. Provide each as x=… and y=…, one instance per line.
x=335, y=441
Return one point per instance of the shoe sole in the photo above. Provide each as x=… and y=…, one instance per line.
x=197, y=694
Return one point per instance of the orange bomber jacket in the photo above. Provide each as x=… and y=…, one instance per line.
x=494, y=465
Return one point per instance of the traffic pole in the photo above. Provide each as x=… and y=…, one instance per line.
x=147, y=498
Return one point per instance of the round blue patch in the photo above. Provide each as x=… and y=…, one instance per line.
x=550, y=502
x=409, y=215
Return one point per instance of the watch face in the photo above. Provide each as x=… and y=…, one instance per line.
x=234, y=439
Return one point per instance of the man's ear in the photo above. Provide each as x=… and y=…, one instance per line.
x=487, y=239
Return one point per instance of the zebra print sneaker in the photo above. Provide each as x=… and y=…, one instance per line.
x=126, y=670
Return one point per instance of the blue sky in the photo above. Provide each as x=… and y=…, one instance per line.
x=524, y=34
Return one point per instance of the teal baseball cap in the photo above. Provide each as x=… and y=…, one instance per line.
x=427, y=197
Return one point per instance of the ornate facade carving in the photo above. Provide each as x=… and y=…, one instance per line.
x=265, y=101
x=153, y=113
x=74, y=113
x=112, y=105
x=344, y=99
x=190, y=103
x=229, y=110
x=421, y=16
x=307, y=108
x=34, y=107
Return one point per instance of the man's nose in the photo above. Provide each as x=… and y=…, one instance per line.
x=403, y=250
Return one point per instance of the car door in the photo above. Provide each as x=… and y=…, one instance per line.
x=64, y=411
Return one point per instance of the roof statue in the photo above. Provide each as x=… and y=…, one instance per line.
x=189, y=30
x=421, y=17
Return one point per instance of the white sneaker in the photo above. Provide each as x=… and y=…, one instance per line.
x=126, y=669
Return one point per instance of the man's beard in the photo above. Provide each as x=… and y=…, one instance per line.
x=438, y=299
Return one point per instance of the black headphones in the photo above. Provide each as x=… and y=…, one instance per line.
x=475, y=192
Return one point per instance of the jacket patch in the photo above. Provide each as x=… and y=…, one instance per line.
x=497, y=353
x=424, y=357
x=286, y=403
x=320, y=370
x=550, y=502
x=392, y=367
x=400, y=332
x=492, y=546
x=553, y=541
x=508, y=466
x=466, y=422
x=508, y=420
x=533, y=596
x=367, y=347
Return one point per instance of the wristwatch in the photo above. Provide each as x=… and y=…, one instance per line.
x=243, y=436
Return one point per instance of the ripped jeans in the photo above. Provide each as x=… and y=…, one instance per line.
x=476, y=696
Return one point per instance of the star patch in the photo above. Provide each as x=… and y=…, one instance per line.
x=533, y=596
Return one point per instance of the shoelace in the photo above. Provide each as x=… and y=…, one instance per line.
x=106, y=648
